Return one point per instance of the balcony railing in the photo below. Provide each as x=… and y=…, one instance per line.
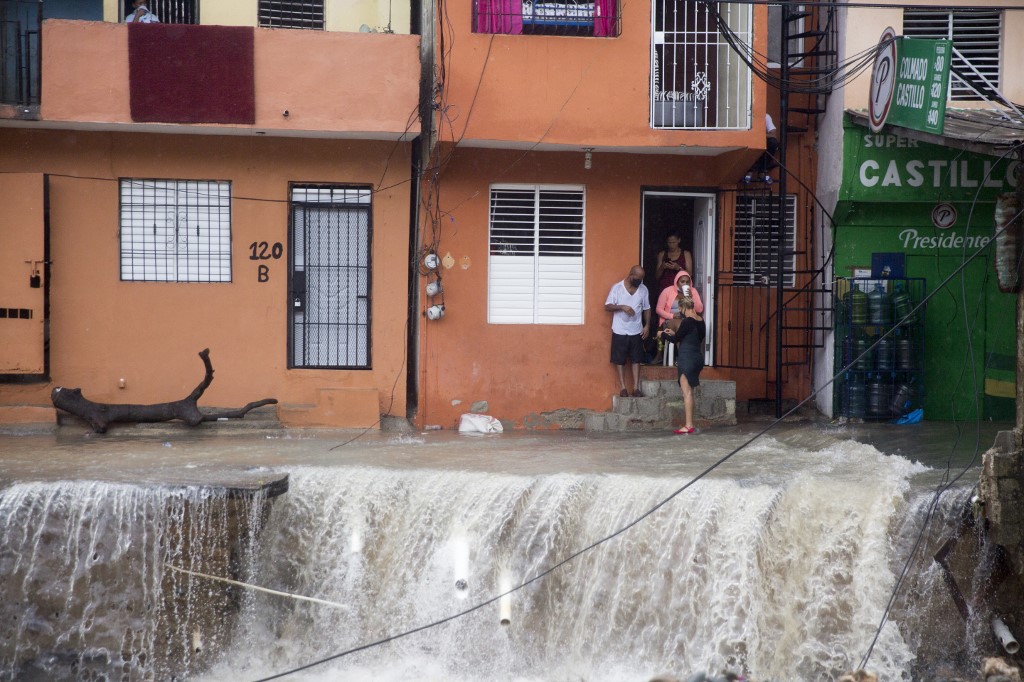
x=597, y=18
x=698, y=79
x=19, y=51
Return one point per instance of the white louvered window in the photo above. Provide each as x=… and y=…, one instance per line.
x=175, y=230
x=535, y=266
x=975, y=34
x=755, y=241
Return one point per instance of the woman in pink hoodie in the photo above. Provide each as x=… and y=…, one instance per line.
x=668, y=303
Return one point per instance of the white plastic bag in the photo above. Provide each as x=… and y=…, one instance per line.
x=479, y=423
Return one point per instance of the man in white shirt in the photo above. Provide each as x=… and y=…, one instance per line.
x=630, y=304
x=140, y=14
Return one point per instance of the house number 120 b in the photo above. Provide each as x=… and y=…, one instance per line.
x=264, y=251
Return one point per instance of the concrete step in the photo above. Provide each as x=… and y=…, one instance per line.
x=662, y=407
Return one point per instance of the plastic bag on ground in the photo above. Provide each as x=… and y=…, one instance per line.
x=479, y=423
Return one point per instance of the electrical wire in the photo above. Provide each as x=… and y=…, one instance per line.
x=943, y=485
x=722, y=460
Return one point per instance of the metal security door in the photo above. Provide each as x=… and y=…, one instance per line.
x=329, y=288
x=24, y=278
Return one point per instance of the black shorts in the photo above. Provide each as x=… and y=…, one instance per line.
x=625, y=348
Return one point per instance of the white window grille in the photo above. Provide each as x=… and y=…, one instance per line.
x=756, y=240
x=975, y=35
x=291, y=14
x=535, y=267
x=175, y=230
x=697, y=78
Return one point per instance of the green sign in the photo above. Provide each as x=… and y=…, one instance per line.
x=885, y=167
x=921, y=84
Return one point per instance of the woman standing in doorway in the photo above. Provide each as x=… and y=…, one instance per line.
x=671, y=261
x=689, y=334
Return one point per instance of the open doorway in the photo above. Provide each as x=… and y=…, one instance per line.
x=691, y=216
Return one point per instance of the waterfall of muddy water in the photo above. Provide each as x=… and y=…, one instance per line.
x=779, y=564
x=782, y=572
x=84, y=592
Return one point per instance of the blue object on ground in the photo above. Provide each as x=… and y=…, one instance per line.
x=911, y=417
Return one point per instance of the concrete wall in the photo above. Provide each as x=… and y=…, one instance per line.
x=103, y=330
x=524, y=370
x=374, y=93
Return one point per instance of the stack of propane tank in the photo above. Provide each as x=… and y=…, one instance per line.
x=880, y=323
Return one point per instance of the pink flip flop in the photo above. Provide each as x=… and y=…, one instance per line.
x=684, y=431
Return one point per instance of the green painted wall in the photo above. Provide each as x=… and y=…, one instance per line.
x=891, y=189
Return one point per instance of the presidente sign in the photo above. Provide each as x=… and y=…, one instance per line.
x=909, y=83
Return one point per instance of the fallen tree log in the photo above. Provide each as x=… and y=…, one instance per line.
x=101, y=415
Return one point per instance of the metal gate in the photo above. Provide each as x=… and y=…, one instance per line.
x=329, y=284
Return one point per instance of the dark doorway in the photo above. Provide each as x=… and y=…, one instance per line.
x=664, y=214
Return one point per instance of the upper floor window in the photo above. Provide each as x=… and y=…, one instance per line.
x=175, y=231
x=535, y=267
x=168, y=11
x=696, y=80
x=291, y=14
x=756, y=240
x=598, y=18
x=975, y=35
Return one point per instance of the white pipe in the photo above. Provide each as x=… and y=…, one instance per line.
x=461, y=549
x=1005, y=637
x=505, y=603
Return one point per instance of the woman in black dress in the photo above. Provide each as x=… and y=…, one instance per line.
x=689, y=335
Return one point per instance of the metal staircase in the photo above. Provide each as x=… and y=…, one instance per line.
x=809, y=54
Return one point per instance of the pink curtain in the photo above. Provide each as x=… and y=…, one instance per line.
x=499, y=16
x=605, y=17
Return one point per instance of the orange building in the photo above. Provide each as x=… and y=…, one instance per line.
x=571, y=139
x=222, y=180
x=168, y=187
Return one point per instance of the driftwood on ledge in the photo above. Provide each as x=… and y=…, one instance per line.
x=101, y=415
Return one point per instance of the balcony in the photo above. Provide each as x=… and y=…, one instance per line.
x=300, y=83
x=19, y=56
x=581, y=74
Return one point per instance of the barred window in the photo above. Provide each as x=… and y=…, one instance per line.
x=535, y=267
x=175, y=230
x=292, y=14
x=756, y=240
x=975, y=34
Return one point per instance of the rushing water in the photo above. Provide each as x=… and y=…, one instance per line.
x=779, y=564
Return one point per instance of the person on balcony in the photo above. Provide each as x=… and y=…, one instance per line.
x=629, y=301
x=140, y=14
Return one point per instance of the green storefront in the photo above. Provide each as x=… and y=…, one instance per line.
x=931, y=207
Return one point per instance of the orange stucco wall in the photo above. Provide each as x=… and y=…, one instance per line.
x=147, y=333
x=339, y=83
x=584, y=92
x=526, y=370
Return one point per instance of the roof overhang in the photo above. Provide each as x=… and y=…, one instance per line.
x=984, y=131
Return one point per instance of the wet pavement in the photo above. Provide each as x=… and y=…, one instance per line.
x=212, y=455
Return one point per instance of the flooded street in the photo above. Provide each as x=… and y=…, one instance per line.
x=780, y=563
